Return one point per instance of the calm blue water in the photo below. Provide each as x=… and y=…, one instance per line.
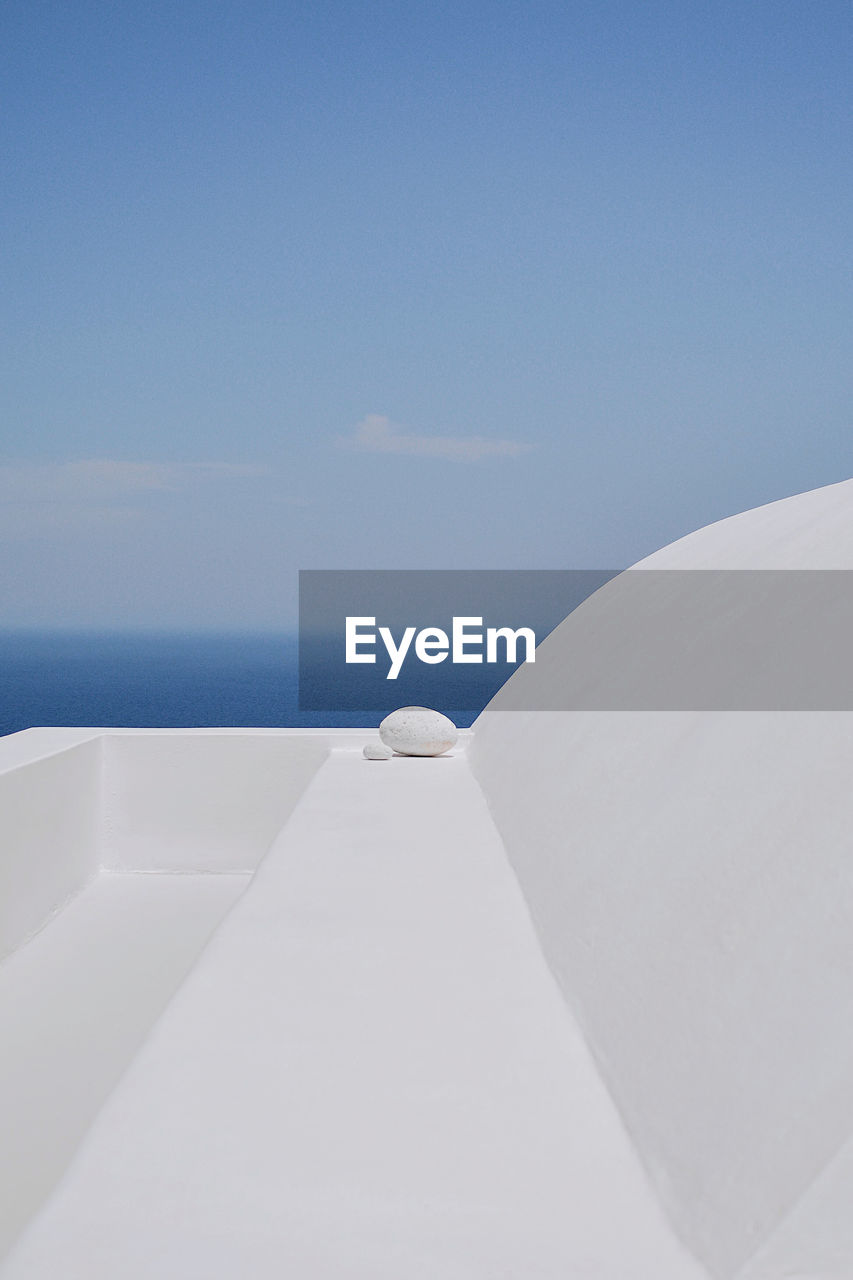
x=159, y=680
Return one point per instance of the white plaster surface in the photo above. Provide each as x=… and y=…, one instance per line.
x=49, y=841
x=811, y=530
x=690, y=875
x=368, y=1075
x=119, y=853
x=369, y=1072
x=76, y=1002
x=815, y=1242
x=203, y=801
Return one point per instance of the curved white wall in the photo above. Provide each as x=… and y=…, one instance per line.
x=690, y=875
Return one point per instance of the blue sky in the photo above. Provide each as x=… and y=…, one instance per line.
x=331, y=285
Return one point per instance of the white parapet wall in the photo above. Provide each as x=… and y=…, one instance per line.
x=49, y=828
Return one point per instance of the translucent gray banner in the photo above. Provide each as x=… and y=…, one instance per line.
x=639, y=640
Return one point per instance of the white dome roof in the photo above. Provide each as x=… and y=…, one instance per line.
x=811, y=530
x=690, y=876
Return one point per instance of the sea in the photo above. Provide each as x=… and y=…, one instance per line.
x=167, y=680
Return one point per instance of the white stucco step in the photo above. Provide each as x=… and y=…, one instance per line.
x=76, y=1002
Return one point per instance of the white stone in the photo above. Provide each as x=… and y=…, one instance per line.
x=377, y=751
x=418, y=731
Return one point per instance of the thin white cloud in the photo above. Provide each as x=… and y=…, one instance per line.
x=49, y=498
x=377, y=434
x=91, y=479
